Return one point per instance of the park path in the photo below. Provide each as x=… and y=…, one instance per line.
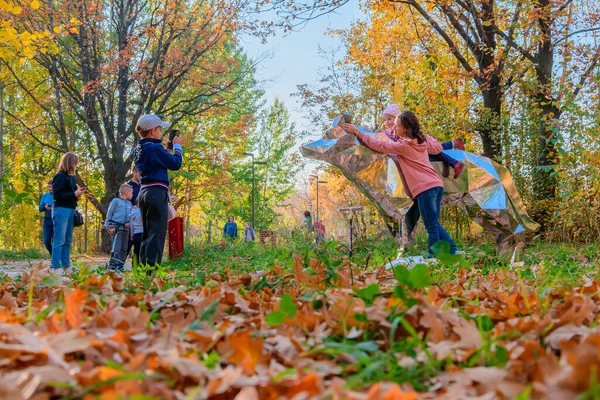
x=17, y=267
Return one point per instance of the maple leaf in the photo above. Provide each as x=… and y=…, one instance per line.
x=74, y=307
x=247, y=351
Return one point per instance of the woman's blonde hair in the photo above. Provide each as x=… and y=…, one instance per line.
x=68, y=162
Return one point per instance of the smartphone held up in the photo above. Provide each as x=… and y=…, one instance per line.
x=173, y=133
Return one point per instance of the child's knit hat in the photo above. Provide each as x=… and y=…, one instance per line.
x=392, y=109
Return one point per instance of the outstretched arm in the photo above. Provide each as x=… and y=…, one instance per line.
x=379, y=146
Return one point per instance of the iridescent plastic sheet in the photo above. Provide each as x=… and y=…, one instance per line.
x=485, y=190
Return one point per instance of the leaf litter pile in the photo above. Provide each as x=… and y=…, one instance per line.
x=311, y=331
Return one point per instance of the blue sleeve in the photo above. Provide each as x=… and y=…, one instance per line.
x=109, y=213
x=235, y=232
x=128, y=212
x=170, y=161
x=131, y=231
x=42, y=207
x=225, y=229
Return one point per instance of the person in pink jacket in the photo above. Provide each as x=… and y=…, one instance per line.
x=421, y=181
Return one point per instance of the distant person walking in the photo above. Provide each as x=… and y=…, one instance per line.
x=320, y=231
x=307, y=224
x=249, y=235
x=46, y=204
x=230, y=230
x=66, y=195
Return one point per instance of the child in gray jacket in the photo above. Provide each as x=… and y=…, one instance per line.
x=118, y=222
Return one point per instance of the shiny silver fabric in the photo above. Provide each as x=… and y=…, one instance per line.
x=485, y=190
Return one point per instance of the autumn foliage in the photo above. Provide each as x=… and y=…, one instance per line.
x=216, y=338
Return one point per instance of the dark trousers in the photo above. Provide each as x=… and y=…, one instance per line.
x=48, y=232
x=445, y=158
x=154, y=206
x=119, y=249
x=429, y=204
x=411, y=218
x=136, y=243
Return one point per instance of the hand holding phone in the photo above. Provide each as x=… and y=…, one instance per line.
x=174, y=133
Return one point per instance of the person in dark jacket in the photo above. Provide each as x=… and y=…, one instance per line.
x=230, y=230
x=46, y=203
x=136, y=184
x=65, y=195
x=154, y=161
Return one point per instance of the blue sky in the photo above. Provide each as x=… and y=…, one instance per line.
x=295, y=59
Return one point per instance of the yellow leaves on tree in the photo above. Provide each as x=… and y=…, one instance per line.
x=15, y=43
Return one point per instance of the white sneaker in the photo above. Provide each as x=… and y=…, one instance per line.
x=460, y=253
x=60, y=271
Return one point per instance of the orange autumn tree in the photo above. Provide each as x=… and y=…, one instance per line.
x=412, y=68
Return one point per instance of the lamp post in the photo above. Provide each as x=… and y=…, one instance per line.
x=318, y=181
x=253, y=186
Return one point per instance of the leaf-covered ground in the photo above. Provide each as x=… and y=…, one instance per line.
x=309, y=326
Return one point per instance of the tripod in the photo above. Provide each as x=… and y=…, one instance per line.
x=351, y=210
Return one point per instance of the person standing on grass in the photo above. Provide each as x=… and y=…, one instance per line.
x=421, y=182
x=136, y=184
x=154, y=161
x=230, y=230
x=118, y=223
x=249, y=235
x=65, y=195
x=307, y=224
x=46, y=203
x=320, y=231
x=137, y=229
x=411, y=218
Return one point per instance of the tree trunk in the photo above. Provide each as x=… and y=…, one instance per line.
x=488, y=125
x=545, y=178
x=209, y=231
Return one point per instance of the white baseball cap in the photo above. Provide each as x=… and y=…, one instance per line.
x=149, y=121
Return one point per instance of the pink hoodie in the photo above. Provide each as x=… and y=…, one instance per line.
x=415, y=169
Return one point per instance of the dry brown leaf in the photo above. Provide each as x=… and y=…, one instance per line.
x=470, y=337
x=74, y=313
x=565, y=333
x=246, y=351
x=247, y=393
